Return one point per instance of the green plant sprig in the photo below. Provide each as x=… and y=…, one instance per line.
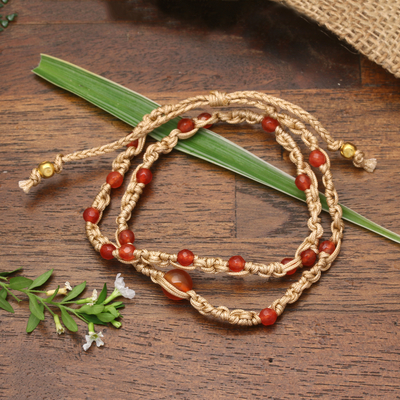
x=91, y=310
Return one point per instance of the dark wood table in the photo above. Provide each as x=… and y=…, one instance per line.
x=340, y=341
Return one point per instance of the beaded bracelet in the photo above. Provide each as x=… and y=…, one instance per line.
x=276, y=116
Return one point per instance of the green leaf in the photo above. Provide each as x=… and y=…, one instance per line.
x=68, y=321
x=42, y=279
x=11, y=17
x=103, y=295
x=51, y=298
x=76, y=291
x=5, y=305
x=117, y=304
x=4, y=23
x=106, y=317
x=9, y=273
x=3, y=293
x=33, y=321
x=93, y=318
x=112, y=311
x=130, y=107
x=35, y=308
x=20, y=282
x=92, y=310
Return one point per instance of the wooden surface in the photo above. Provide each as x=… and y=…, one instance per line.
x=340, y=341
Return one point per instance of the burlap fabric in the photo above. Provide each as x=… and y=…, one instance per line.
x=371, y=26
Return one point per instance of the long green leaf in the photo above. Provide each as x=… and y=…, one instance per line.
x=4, y=304
x=33, y=321
x=35, y=308
x=40, y=280
x=69, y=322
x=75, y=292
x=130, y=107
x=20, y=282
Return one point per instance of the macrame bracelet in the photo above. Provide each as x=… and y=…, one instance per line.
x=276, y=116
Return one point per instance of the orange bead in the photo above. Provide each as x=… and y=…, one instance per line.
x=205, y=117
x=303, y=182
x=268, y=316
x=236, y=263
x=185, y=125
x=180, y=279
x=91, y=215
x=317, y=158
x=287, y=261
x=185, y=257
x=269, y=124
x=106, y=251
x=115, y=179
x=144, y=175
x=327, y=247
x=126, y=236
x=135, y=143
x=308, y=258
x=126, y=252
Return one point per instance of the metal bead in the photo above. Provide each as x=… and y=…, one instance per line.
x=46, y=169
x=348, y=150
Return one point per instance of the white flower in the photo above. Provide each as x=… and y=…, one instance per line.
x=124, y=291
x=93, y=337
x=59, y=327
x=93, y=298
x=68, y=286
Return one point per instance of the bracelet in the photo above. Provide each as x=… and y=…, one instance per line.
x=277, y=116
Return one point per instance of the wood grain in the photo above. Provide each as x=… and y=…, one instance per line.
x=339, y=341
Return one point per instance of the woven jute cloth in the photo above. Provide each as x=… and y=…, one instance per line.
x=371, y=26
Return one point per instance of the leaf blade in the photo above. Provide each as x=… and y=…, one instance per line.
x=103, y=295
x=20, y=282
x=9, y=273
x=5, y=305
x=75, y=292
x=68, y=321
x=33, y=321
x=34, y=307
x=40, y=280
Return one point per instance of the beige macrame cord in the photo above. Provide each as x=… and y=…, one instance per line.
x=292, y=120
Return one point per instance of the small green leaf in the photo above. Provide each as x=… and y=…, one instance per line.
x=4, y=23
x=35, y=308
x=118, y=305
x=20, y=282
x=4, y=304
x=11, y=17
x=5, y=1
x=103, y=295
x=40, y=280
x=92, y=310
x=9, y=273
x=94, y=319
x=3, y=293
x=112, y=311
x=33, y=321
x=69, y=322
x=106, y=317
x=51, y=298
x=76, y=291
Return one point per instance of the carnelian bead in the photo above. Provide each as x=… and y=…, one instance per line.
x=106, y=251
x=185, y=257
x=327, y=247
x=126, y=252
x=185, y=125
x=303, y=182
x=268, y=316
x=135, y=143
x=91, y=215
x=269, y=124
x=308, y=258
x=180, y=279
x=115, y=179
x=236, y=263
x=144, y=175
x=317, y=158
x=205, y=117
x=287, y=261
x=126, y=236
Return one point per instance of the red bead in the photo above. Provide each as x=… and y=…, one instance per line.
x=205, y=117
x=91, y=215
x=303, y=182
x=317, y=158
x=106, y=251
x=115, y=179
x=287, y=261
x=180, y=279
x=308, y=258
x=185, y=125
x=269, y=124
x=144, y=175
x=268, y=316
x=126, y=252
x=185, y=257
x=327, y=247
x=126, y=236
x=236, y=263
x=135, y=143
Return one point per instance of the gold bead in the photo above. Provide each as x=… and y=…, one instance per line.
x=46, y=169
x=348, y=150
